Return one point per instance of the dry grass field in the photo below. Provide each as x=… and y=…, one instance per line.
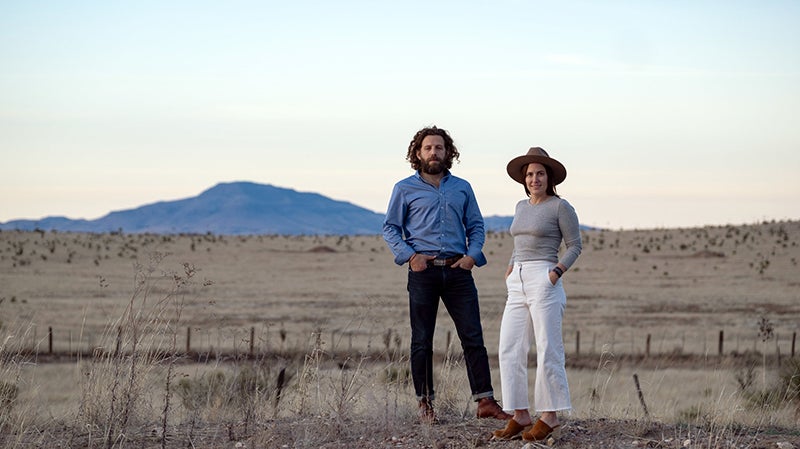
x=118, y=340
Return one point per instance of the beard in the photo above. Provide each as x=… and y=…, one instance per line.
x=432, y=167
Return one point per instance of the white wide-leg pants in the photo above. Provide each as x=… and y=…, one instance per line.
x=534, y=309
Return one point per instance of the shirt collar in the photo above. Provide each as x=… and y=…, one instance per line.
x=446, y=175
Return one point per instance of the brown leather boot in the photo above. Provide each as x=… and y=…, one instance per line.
x=540, y=431
x=512, y=431
x=489, y=408
x=426, y=413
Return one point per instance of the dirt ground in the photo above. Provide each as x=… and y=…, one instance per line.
x=597, y=433
x=585, y=433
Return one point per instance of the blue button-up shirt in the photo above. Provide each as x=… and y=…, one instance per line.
x=441, y=222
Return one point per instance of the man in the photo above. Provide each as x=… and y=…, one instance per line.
x=433, y=223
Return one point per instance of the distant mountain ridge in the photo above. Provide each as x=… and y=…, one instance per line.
x=236, y=208
x=233, y=208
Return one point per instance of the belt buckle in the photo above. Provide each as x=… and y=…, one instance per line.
x=439, y=262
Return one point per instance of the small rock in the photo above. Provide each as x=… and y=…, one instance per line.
x=687, y=442
x=784, y=445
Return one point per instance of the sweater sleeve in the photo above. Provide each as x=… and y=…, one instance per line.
x=571, y=232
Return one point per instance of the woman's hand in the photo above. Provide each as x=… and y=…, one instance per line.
x=556, y=273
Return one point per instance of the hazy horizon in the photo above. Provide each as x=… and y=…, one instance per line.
x=382, y=212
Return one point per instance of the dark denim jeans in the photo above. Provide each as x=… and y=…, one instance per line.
x=456, y=288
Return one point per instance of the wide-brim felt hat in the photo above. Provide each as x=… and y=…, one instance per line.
x=536, y=154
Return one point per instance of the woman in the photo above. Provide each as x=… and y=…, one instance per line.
x=536, y=298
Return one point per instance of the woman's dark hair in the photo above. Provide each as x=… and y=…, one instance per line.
x=451, y=152
x=551, y=187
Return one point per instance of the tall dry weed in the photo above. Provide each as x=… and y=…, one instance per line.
x=12, y=357
x=118, y=378
x=606, y=369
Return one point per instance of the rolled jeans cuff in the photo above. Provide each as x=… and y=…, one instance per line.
x=479, y=396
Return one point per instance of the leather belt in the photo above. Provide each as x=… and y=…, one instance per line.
x=444, y=262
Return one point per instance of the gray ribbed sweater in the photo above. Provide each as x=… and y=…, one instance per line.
x=538, y=231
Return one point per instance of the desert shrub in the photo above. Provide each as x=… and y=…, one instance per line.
x=205, y=391
x=221, y=390
x=395, y=374
x=789, y=382
x=783, y=391
x=745, y=377
x=8, y=396
x=758, y=399
x=12, y=357
x=693, y=414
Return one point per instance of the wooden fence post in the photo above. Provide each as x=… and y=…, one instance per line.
x=50, y=340
x=252, y=340
x=119, y=341
x=721, y=339
x=188, y=339
x=794, y=338
x=647, y=347
x=577, y=342
x=641, y=395
x=683, y=341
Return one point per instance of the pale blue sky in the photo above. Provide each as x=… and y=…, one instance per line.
x=671, y=113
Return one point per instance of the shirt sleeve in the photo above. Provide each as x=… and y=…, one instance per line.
x=475, y=229
x=571, y=232
x=393, y=227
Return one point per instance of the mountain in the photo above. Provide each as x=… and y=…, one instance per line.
x=238, y=208
x=497, y=223
x=228, y=208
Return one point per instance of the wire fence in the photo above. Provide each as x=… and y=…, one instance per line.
x=255, y=342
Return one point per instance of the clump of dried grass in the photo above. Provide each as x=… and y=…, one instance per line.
x=12, y=417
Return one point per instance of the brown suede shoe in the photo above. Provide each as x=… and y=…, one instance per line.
x=513, y=431
x=489, y=408
x=540, y=431
x=426, y=413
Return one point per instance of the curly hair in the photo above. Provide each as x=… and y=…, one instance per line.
x=451, y=152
